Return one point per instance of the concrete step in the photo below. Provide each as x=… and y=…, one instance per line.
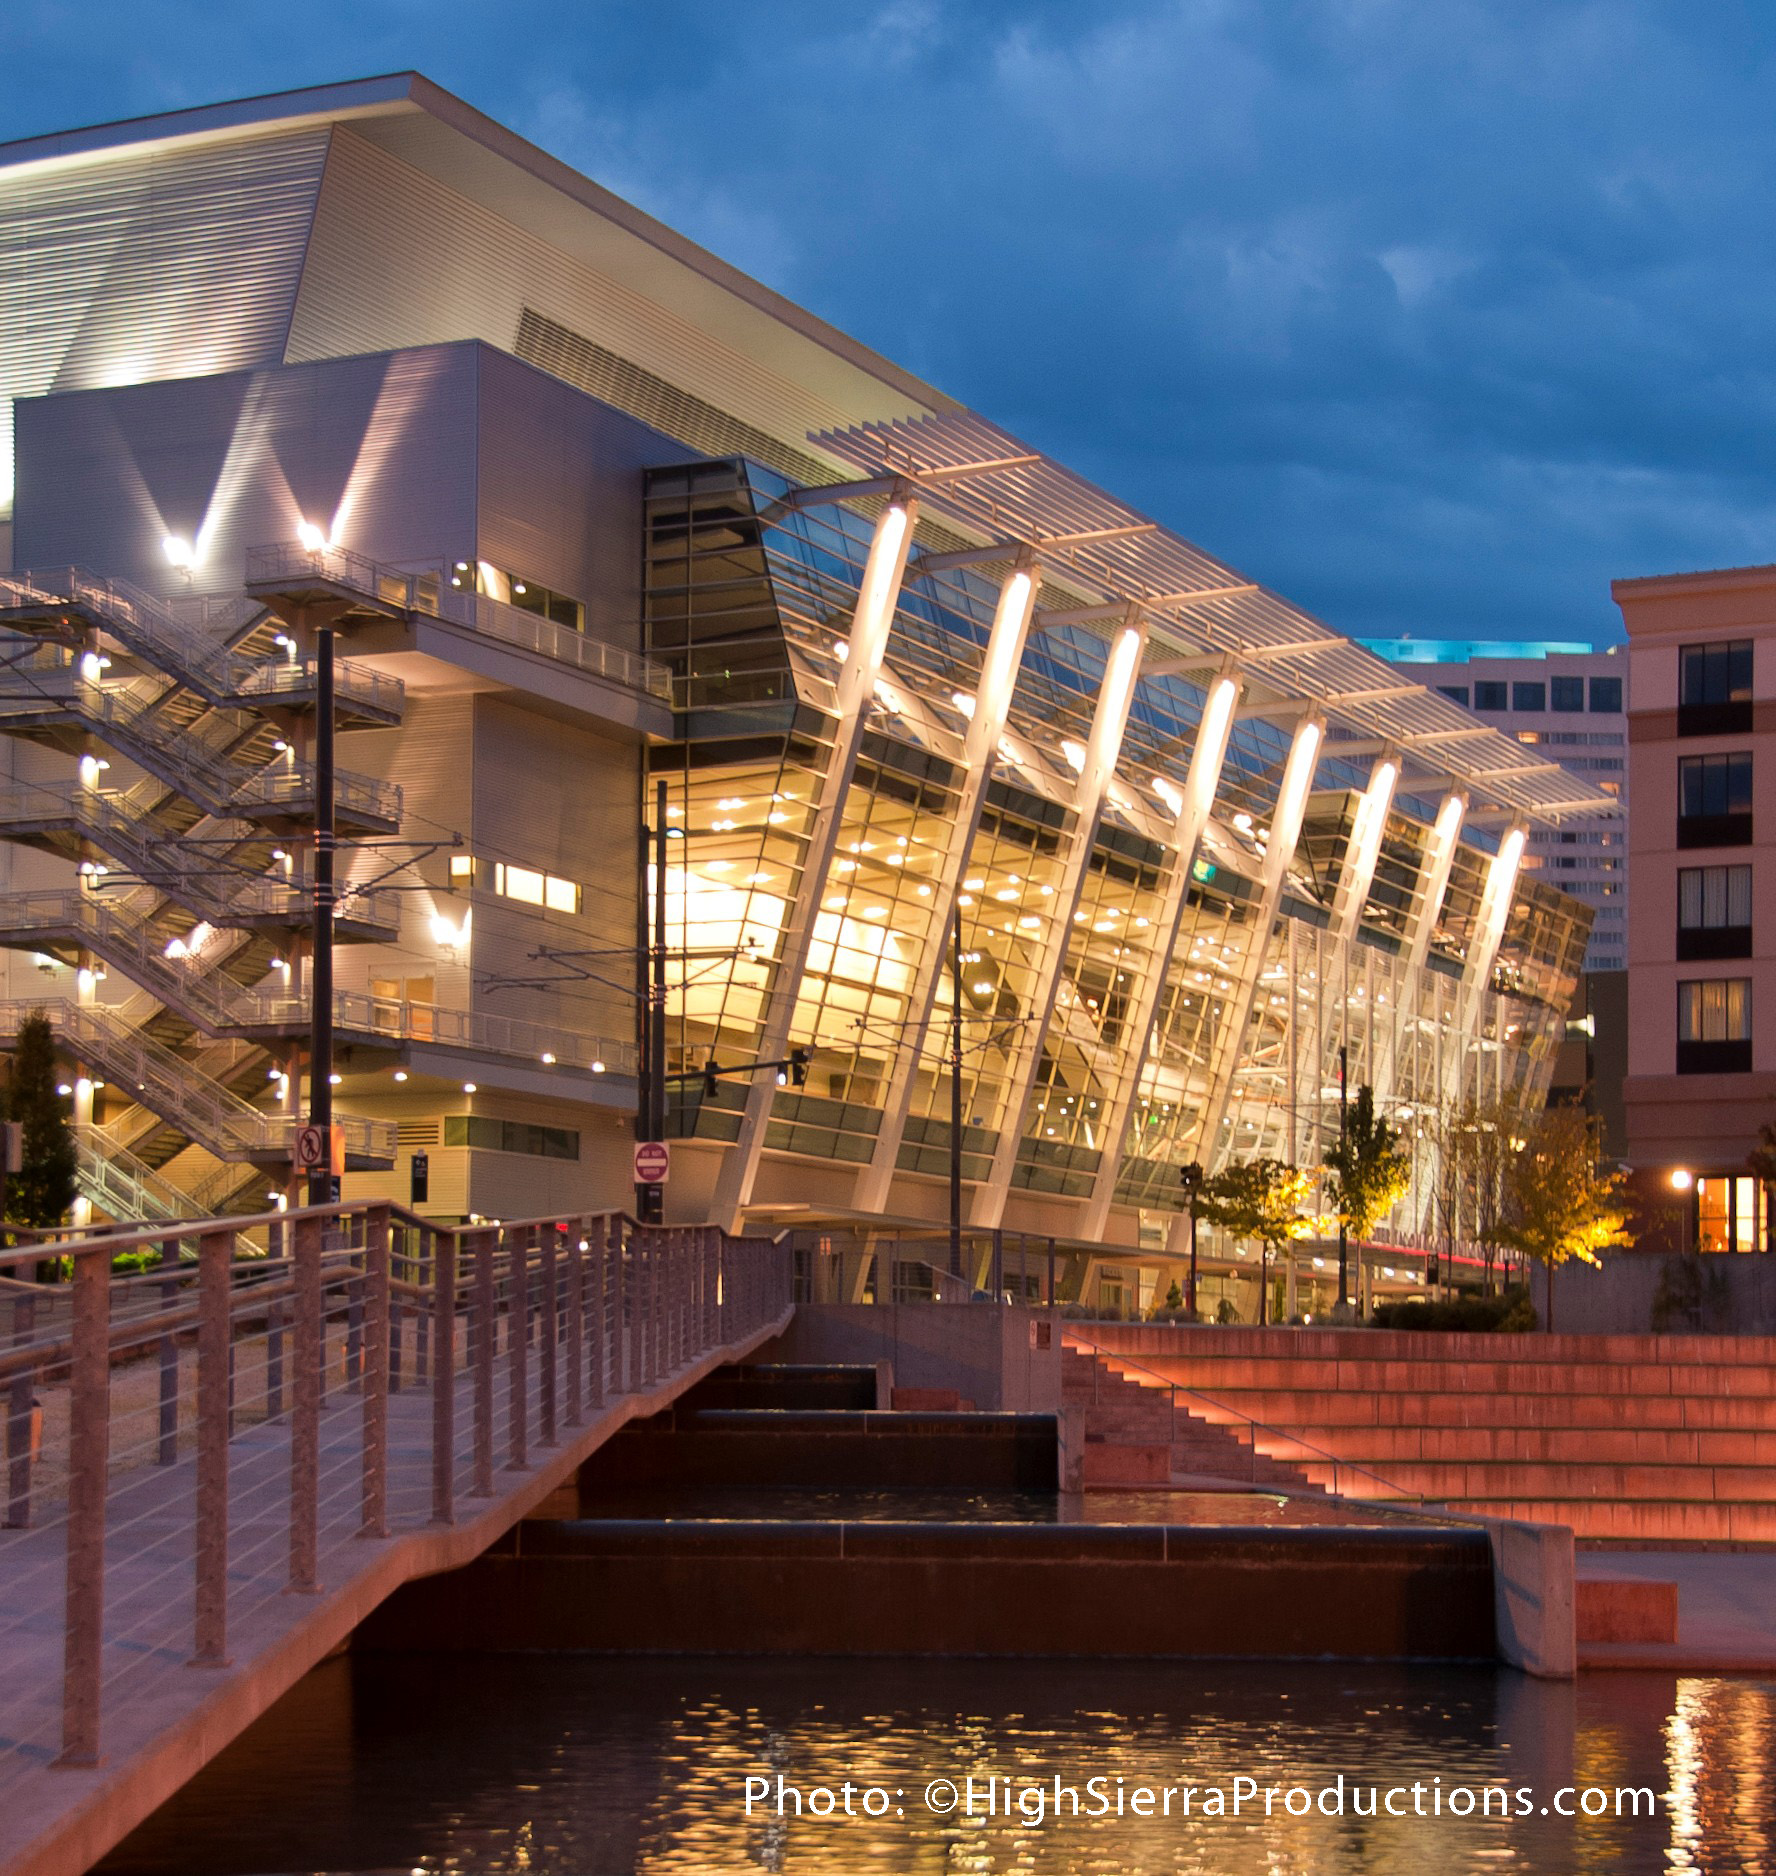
x=1333, y=1409
x=1628, y=1446
x=1295, y=1373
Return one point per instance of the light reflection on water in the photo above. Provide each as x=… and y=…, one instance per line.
x=565, y=1766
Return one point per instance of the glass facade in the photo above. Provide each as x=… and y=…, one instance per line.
x=1068, y=925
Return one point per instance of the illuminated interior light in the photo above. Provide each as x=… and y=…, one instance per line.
x=963, y=899
x=963, y=703
x=334, y=1080
x=974, y=885
x=597, y=1068
x=469, y=1087
x=776, y=820
x=924, y=892
x=400, y=1074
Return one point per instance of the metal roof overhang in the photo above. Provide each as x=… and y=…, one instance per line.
x=986, y=484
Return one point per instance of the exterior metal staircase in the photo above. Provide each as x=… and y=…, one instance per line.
x=203, y=1110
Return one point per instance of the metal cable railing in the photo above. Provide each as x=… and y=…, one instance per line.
x=186, y=1444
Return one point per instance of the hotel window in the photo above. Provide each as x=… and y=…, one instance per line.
x=1529, y=696
x=1714, y=1026
x=1566, y=693
x=1728, y=1214
x=1714, y=801
x=1456, y=693
x=1490, y=696
x=1714, y=689
x=1714, y=912
x=1606, y=696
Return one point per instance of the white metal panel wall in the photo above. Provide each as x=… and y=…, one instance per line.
x=561, y=799
x=166, y=264
x=379, y=450
x=430, y=753
x=397, y=258
x=560, y=492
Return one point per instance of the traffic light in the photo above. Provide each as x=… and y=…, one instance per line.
x=798, y=1067
x=1190, y=1178
x=711, y=1078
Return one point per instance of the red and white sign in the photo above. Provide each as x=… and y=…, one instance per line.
x=653, y=1162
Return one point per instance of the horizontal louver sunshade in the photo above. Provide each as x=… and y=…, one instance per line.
x=173, y=264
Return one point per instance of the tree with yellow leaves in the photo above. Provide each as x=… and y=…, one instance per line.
x=1262, y=1199
x=1561, y=1201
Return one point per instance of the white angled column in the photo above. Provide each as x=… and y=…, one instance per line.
x=1109, y=720
x=1433, y=878
x=1427, y=902
x=1496, y=898
x=992, y=704
x=1285, y=831
x=1363, y=850
x=878, y=594
x=1191, y=808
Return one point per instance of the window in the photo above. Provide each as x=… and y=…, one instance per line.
x=1529, y=696
x=1714, y=801
x=1489, y=696
x=513, y=589
x=1714, y=688
x=1566, y=693
x=1456, y=693
x=1714, y=1026
x=511, y=1136
x=1714, y=912
x=530, y=886
x=1606, y=696
x=1727, y=1214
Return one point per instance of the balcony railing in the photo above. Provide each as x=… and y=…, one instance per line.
x=427, y=591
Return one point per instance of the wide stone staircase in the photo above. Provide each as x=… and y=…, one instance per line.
x=1140, y=1432
x=1636, y=1440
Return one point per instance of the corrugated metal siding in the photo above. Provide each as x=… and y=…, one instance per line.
x=379, y=450
x=560, y=492
x=169, y=264
x=561, y=799
x=430, y=753
x=398, y=259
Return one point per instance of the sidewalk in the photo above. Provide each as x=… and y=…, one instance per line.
x=1726, y=1610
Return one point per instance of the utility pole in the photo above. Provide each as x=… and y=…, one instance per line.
x=650, y=981
x=956, y=1096
x=320, y=1050
x=1191, y=1179
x=1343, y=1137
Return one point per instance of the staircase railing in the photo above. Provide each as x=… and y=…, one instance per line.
x=204, y=1111
x=119, y=824
x=196, y=762
x=189, y=640
x=1254, y=1426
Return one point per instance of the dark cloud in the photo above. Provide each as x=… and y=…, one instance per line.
x=1436, y=318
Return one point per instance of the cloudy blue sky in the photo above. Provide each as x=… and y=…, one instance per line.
x=1435, y=317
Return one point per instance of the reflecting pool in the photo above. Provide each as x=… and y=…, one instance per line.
x=597, y=1766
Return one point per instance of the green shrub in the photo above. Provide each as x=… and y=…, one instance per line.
x=1509, y=1314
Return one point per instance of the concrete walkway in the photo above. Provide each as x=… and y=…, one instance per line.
x=163, y=1718
x=1726, y=1610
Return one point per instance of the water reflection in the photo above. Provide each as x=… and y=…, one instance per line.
x=561, y=1764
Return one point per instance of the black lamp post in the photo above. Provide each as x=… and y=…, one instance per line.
x=1191, y=1178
